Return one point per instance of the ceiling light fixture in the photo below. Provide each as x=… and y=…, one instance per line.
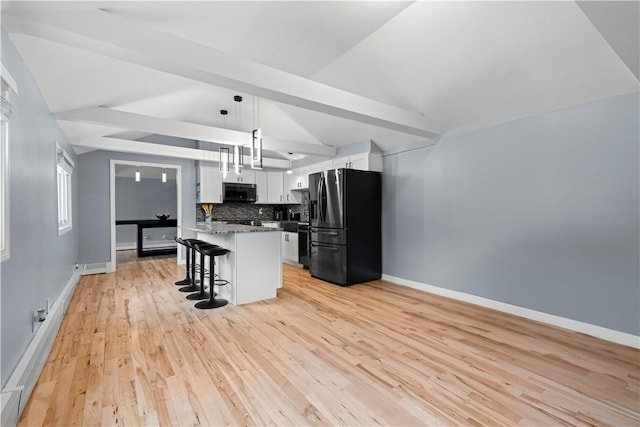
x=256, y=137
x=164, y=175
x=223, y=162
x=290, y=171
x=238, y=155
x=137, y=174
x=238, y=158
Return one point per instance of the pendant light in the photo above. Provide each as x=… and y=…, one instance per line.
x=290, y=171
x=223, y=163
x=256, y=140
x=238, y=155
x=137, y=174
x=164, y=175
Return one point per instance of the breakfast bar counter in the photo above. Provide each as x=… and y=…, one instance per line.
x=253, y=266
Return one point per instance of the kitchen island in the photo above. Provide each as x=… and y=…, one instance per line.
x=253, y=267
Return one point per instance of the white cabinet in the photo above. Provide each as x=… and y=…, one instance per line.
x=360, y=162
x=290, y=246
x=275, y=187
x=319, y=167
x=279, y=190
x=364, y=161
x=341, y=162
x=300, y=178
x=210, y=185
x=245, y=177
x=289, y=195
x=262, y=187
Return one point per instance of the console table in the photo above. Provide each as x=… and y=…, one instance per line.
x=150, y=223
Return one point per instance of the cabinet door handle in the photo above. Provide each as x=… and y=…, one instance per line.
x=281, y=197
x=220, y=197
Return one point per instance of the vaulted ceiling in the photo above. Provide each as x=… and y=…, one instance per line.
x=322, y=74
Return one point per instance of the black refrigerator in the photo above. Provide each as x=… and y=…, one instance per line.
x=345, y=218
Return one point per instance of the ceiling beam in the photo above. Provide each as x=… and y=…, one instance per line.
x=137, y=147
x=105, y=33
x=156, y=125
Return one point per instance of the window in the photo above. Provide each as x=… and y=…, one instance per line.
x=4, y=189
x=8, y=84
x=64, y=170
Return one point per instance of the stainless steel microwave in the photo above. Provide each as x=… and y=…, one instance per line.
x=234, y=192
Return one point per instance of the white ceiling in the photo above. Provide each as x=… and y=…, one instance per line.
x=426, y=68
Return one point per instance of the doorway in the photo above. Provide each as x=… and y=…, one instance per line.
x=123, y=179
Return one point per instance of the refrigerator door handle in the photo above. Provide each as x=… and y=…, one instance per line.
x=328, y=248
x=320, y=204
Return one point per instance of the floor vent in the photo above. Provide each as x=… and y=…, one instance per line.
x=97, y=268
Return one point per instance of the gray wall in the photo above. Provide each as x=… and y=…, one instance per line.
x=143, y=200
x=540, y=213
x=93, y=196
x=41, y=261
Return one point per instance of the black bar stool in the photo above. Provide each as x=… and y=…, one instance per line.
x=187, y=279
x=200, y=247
x=192, y=286
x=213, y=302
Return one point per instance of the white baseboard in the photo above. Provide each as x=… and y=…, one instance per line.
x=612, y=335
x=291, y=262
x=24, y=377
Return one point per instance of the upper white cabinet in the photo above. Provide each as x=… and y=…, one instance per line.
x=279, y=191
x=275, y=187
x=245, y=177
x=210, y=184
x=319, y=167
x=290, y=195
x=364, y=161
x=279, y=187
x=299, y=179
x=262, y=187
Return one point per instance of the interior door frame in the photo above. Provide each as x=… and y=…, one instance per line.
x=112, y=202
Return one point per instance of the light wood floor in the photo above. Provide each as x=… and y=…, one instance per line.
x=133, y=351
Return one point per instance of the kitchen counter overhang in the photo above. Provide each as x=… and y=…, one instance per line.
x=253, y=266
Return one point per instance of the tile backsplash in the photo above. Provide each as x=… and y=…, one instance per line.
x=250, y=211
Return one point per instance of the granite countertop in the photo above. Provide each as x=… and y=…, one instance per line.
x=230, y=228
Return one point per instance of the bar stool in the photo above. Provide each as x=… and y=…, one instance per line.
x=192, y=287
x=187, y=279
x=212, y=302
x=201, y=246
